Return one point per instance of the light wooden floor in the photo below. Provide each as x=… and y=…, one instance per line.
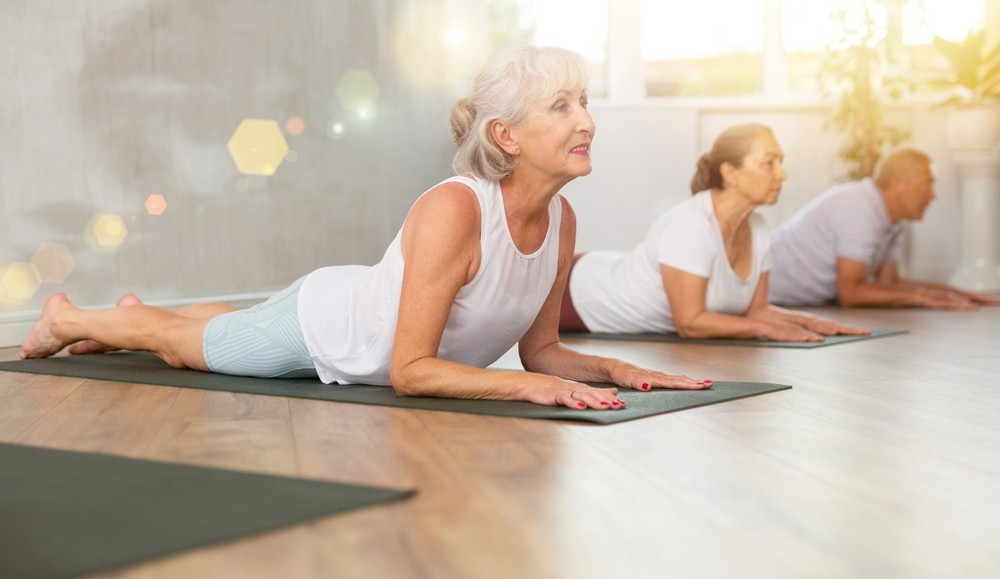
x=882, y=461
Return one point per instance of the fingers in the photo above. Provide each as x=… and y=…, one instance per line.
x=830, y=328
x=852, y=331
x=951, y=301
x=803, y=336
x=637, y=378
x=961, y=306
x=649, y=380
x=593, y=398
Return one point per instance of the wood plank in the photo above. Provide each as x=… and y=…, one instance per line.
x=883, y=460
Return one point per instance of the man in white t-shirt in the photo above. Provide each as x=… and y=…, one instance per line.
x=844, y=245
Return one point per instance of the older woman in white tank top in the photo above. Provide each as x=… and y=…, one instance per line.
x=478, y=266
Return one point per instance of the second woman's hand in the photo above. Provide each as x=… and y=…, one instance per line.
x=787, y=332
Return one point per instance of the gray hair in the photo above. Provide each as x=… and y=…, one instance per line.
x=503, y=91
x=901, y=164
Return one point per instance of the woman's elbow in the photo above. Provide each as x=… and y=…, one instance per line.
x=403, y=382
x=686, y=330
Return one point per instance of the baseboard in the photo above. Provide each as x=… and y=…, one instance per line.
x=16, y=324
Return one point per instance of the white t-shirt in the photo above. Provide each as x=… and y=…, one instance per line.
x=348, y=313
x=622, y=292
x=849, y=221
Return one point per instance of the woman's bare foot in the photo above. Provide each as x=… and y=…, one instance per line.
x=41, y=343
x=92, y=347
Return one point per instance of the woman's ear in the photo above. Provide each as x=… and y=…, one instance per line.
x=729, y=174
x=502, y=135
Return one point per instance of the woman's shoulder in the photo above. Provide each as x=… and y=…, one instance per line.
x=452, y=201
x=693, y=210
x=460, y=189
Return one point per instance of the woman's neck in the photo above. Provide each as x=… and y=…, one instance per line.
x=527, y=199
x=731, y=209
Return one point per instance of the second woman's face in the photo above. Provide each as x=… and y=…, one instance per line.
x=761, y=176
x=555, y=136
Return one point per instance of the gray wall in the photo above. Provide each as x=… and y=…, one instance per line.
x=104, y=102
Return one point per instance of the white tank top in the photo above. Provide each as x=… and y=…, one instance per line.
x=348, y=313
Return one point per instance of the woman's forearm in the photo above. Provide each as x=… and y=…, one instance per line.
x=445, y=379
x=558, y=360
x=707, y=325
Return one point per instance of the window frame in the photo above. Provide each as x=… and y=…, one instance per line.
x=626, y=82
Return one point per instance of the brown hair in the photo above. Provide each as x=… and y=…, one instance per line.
x=732, y=146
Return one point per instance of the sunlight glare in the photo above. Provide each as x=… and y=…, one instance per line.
x=437, y=44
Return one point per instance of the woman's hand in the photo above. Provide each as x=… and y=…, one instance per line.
x=631, y=376
x=790, y=332
x=554, y=391
x=830, y=328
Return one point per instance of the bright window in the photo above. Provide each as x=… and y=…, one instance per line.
x=709, y=47
x=809, y=27
x=579, y=25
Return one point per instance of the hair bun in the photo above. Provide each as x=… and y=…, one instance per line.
x=463, y=114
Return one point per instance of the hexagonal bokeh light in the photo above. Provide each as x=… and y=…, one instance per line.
x=107, y=231
x=257, y=147
x=53, y=262
x=358, y=92
x=20, y=280
x=155, y=204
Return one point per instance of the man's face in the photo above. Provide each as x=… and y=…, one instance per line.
x=916, y=194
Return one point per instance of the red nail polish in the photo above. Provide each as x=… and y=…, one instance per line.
x=581, y=405
x=604, y=403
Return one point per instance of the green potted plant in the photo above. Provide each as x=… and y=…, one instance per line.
x=976, y=70
x=974, y=102
x=861, y=72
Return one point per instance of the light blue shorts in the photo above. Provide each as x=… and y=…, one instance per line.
x=264, y=340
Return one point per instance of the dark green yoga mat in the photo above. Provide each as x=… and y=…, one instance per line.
x=675, y=339
x=71, y=513
x=147, y=369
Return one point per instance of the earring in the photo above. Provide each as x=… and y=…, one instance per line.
x=515, y=150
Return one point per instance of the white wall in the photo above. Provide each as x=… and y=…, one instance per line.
x=644, y=157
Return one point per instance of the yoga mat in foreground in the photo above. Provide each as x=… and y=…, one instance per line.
x=675, y=339
x=72, y=513
x=144, y=368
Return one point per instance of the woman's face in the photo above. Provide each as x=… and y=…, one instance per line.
x=555, y=135
x=761, y=176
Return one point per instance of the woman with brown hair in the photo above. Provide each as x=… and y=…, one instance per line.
x=702, y=270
